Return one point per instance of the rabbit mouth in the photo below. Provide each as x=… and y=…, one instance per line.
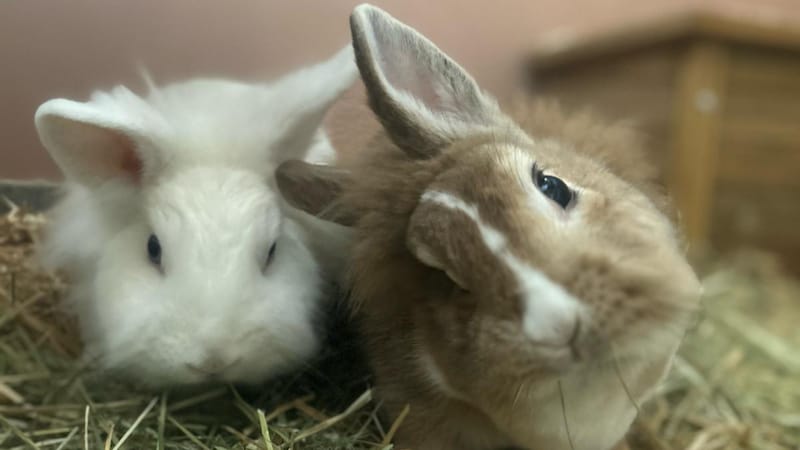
x=212, y=369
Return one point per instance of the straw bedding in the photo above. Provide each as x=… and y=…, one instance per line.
x=735, y=383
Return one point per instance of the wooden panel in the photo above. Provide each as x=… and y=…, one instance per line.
x=758, y=150
x=764, y=214
x=699, y=101
x=722, y=105
x=757, y=200
x=643, y=36
x=764, y=67
x=764, y=85
x=636, y=87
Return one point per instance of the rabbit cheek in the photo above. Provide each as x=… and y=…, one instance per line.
x=548, y=315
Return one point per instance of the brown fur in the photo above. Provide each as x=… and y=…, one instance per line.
x=407, y=308
x=442, y=310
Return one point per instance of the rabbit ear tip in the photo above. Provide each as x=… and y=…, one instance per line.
x=363, y=8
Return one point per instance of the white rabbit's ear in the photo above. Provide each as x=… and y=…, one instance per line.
x=423, y=98
x=303, y=97
x=89, y=145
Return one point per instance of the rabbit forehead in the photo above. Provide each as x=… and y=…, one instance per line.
x=222, y=207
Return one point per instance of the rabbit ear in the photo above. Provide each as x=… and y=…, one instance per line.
x=315, y=189
x=303, y=98
x=89, y=145
x=423, y=98
x=430, y=239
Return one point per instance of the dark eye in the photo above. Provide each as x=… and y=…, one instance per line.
x=553, y=188
x=154, y=250
x=271, y=254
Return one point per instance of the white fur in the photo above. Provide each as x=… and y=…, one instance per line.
x=598, y=411
x=550, y=311
x=213, y=310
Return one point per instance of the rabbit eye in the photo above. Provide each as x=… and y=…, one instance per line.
x=154, y=250
x=271, y=254
x=553, y=188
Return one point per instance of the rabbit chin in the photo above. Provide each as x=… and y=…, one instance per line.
x=152, y=372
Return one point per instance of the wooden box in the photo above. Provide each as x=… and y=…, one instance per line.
x=720, y=100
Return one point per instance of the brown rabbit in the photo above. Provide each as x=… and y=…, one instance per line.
x=519, y=283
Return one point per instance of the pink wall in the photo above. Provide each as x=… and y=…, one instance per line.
x=67, y=48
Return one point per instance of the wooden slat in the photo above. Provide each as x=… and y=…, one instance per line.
x=699, y=101
x=637, y=88
x=752, y=210
x=642, y=36
x=731, y=127
x=763, y=86
x=764, y=104
x=761, y=151
x=747, y=214
x=763, y=66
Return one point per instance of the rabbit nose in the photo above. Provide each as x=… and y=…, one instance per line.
x=213, y=364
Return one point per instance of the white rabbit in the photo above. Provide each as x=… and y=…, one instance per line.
x=185, y=267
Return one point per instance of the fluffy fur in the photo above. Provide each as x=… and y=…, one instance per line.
x=192, y=164
x=483, y=302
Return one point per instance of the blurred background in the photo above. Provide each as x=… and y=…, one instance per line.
x=714, y=83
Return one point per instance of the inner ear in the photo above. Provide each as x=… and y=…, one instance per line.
x=423, y=98
x=428, y=256
x=87, y=145
x=435, y=238
x=97, y=152
x=130, y=163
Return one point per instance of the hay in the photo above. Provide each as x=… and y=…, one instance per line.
x=47, y=401
x=735, y=384
x=736, y=381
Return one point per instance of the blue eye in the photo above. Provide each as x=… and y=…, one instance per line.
x=553, y=188
x=154, y=250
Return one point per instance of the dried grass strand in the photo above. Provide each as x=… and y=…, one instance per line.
x=136, y=423
x=396, y=425
x=68, y=438
x=262, y=422
x=365, y=398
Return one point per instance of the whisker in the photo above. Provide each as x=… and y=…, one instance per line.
x=517, y=395
x=617, y=369
x=564, y=414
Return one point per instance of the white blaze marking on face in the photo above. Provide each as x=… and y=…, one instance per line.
x=550, y=312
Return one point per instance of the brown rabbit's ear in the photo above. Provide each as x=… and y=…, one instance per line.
x=443, y=234
x=315, y=189
x=426, y=241
x=423, y=98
